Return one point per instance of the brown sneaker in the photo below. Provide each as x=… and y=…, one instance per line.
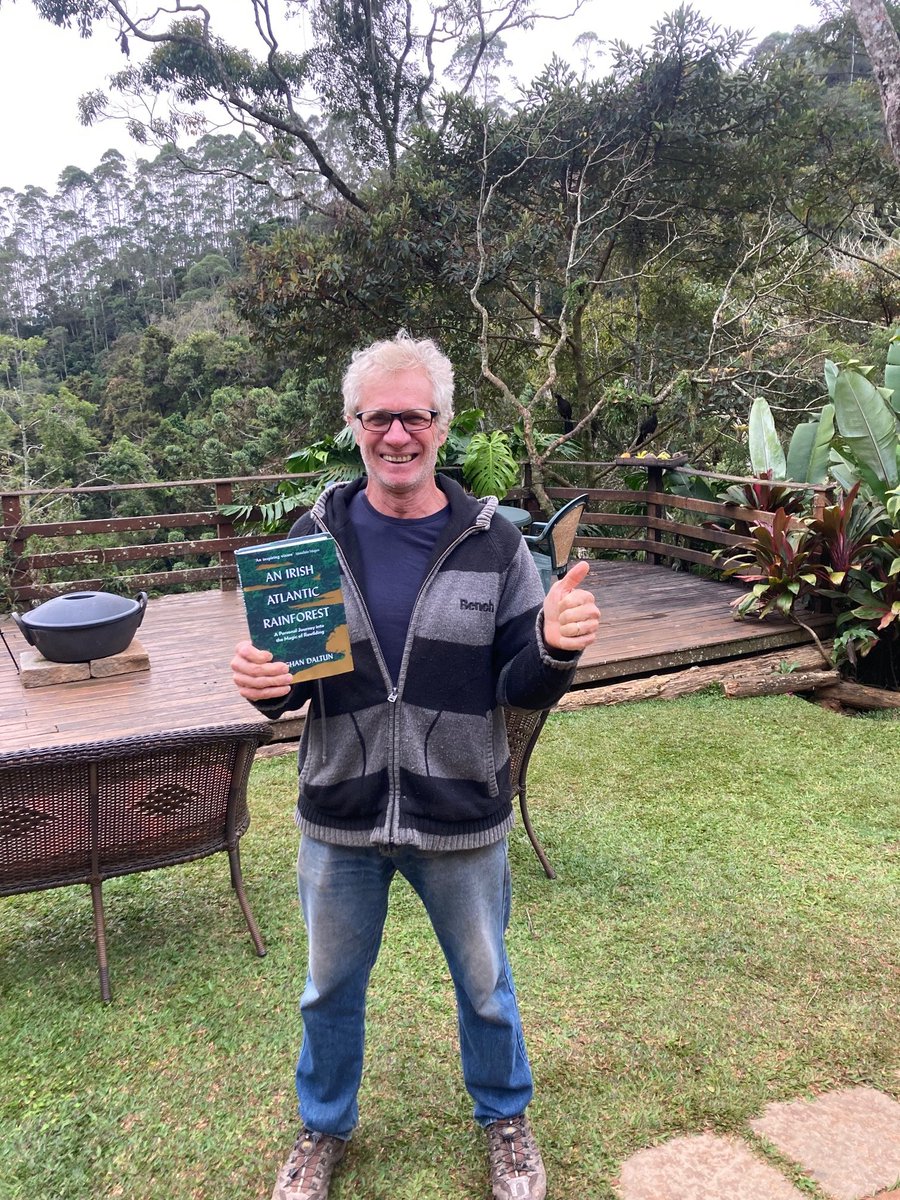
x=307, y=1173
x=517, y=1170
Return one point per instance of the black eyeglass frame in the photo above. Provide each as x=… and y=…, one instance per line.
x=397, y=416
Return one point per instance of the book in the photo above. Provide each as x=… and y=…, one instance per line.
x=295, y=606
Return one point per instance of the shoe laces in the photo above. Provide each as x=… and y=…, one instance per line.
x=310, y=1156
x=512, y=1146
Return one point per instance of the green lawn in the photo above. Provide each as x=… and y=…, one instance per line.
x=724, y=931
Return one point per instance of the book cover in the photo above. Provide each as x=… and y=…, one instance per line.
x=294, y=604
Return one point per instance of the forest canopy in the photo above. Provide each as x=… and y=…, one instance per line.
x=691, y=227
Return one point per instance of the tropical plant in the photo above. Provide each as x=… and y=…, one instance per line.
x=765, y=494
x=809, y=448
x=892, y=374
x=866, y=445
x=846, y=530
x=875, y=591
x=462, y=428
x=489, y=467
x=849, y=551
x=781, y=564
x=327, y=460
x=487, y=461
x=806, y=461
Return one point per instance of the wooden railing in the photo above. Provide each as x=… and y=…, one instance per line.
x=648, y=522
x=28, y=574
x=666, y=528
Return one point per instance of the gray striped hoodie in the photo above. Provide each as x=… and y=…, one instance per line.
x=426, y=763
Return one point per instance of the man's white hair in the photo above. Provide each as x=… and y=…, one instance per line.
x=401, y=353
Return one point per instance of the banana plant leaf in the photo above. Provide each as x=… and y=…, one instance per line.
x=831, y=375
x=809, y=449
x=867, y=427
x=876, y=489
x=892, y=374
x=766, y=453
x=842, y=471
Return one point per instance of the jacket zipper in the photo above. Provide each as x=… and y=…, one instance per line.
x=393, y=691
x=392, y=820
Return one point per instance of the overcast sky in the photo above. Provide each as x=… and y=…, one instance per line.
x=43, y=71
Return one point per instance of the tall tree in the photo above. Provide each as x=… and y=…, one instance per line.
x=371, y=68
x=883, y=48
x=638, y=239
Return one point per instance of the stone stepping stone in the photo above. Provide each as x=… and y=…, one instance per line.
x=702, y=1167
x=847, y=1141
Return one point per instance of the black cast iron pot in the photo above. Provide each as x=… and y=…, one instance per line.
x=80, y=626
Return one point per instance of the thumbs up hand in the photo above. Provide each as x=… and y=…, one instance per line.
x=571, y=616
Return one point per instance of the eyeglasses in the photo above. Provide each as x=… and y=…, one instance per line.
x=413, y=420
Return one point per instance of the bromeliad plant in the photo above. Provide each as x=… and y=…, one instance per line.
x=782, y=565
x=850, y=551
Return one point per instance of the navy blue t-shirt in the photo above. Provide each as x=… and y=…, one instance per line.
x=395, y=553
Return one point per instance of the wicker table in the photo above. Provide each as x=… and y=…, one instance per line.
x=85, y=813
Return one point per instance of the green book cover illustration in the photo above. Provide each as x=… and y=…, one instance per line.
x=294, y=604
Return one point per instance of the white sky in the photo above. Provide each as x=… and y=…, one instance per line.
x=43, y=71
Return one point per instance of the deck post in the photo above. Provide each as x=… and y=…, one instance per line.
x=655, y=484
x=12, y=517
x=225, y=529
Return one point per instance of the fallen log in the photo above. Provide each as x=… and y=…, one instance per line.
x=857, y=695
x=695, y=679
x=778, y=685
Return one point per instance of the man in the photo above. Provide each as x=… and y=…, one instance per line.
x=404, y=761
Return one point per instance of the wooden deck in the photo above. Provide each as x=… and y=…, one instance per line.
x=654, y=619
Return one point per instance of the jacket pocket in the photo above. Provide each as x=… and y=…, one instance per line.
x=461, y=746
x=331, y=751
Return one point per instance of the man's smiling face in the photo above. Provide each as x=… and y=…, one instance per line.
x=399, y=463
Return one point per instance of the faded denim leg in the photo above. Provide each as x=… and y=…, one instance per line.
x=467, y=896
x=344, y=896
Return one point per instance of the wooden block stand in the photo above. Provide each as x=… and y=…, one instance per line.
x=37, y=671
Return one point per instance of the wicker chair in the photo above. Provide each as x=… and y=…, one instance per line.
x=82, y=814
x=551, y=543
x=523, y=729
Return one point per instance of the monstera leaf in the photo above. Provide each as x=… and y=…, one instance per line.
x=489, y=467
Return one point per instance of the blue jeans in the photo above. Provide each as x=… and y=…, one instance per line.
x=344, y=895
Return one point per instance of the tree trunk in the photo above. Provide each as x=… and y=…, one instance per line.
x=695, y=679
x=883, y=47
x=857, y=695
x=778, y=685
